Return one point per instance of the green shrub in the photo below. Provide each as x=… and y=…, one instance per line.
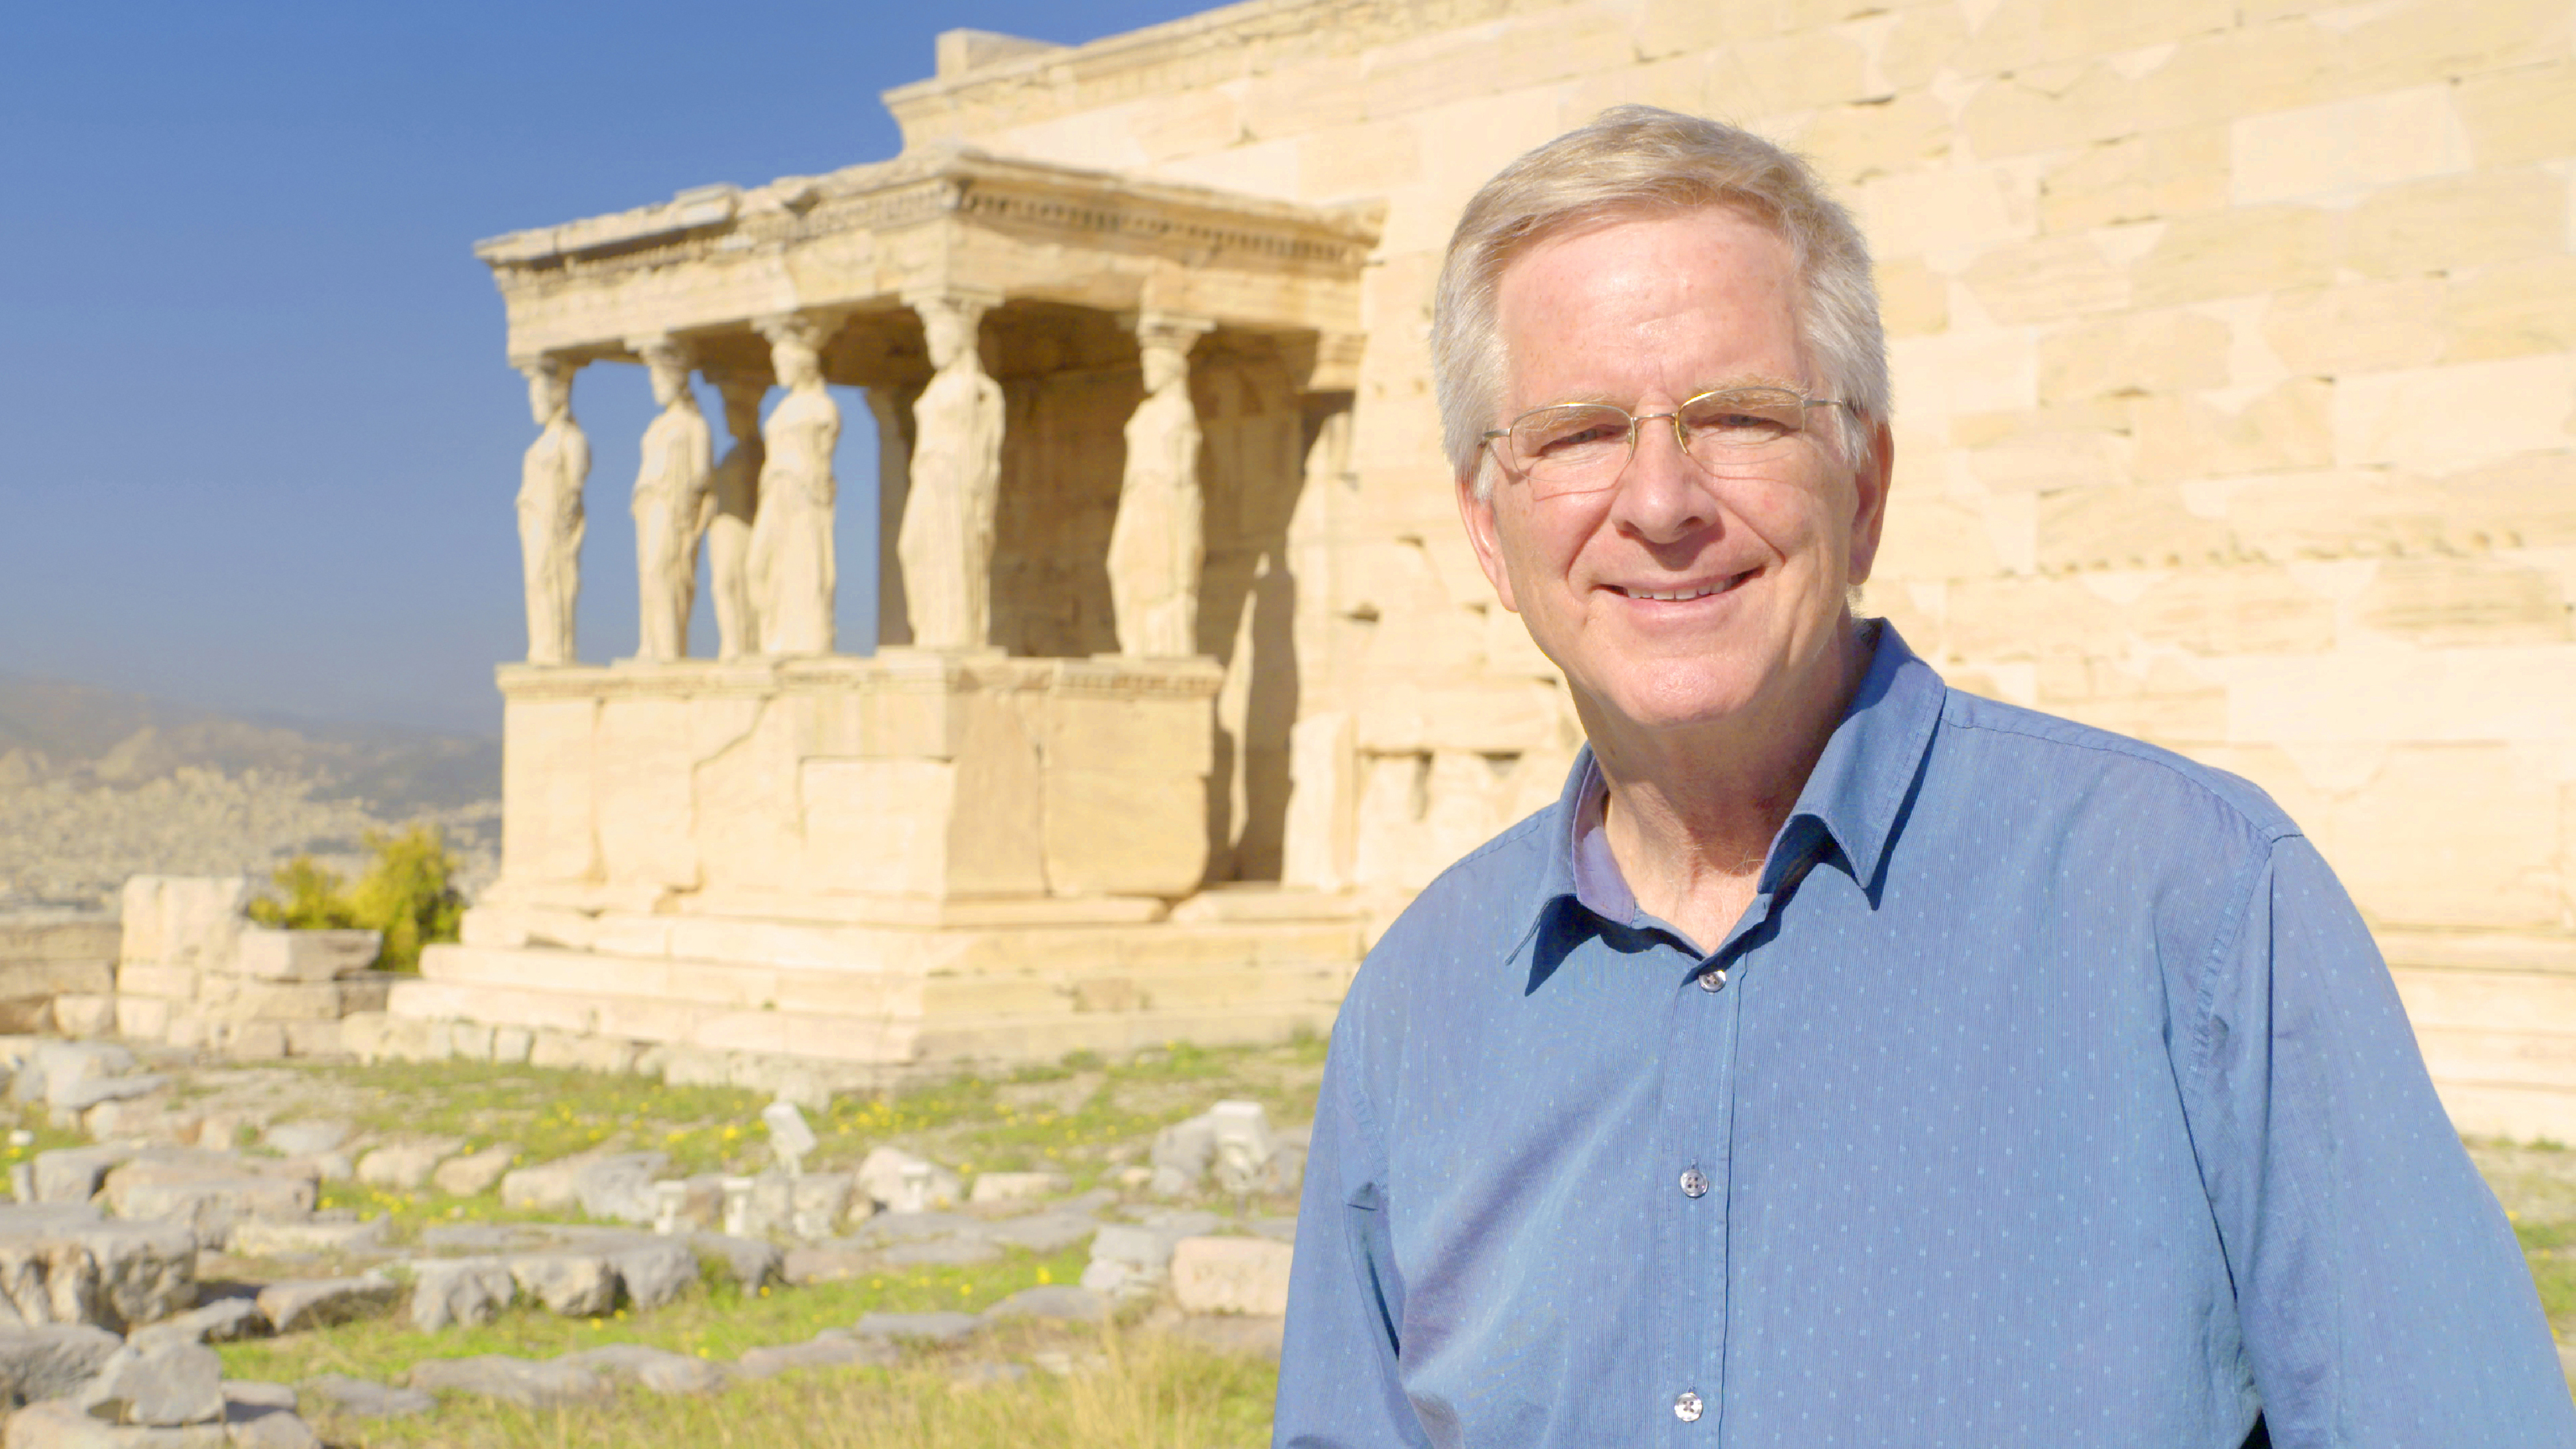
x=308, y=898
x=407, y=893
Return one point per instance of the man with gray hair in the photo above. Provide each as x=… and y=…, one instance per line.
x=1844, y=1060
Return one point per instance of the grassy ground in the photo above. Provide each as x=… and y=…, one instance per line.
x=2551, y=1250
x=1081, y=1388
x=719, y=1321
x=1082, y=1117
x=1111, y=1389
x=2537, y=1186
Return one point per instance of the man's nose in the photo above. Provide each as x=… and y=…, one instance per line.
x=1663, y=495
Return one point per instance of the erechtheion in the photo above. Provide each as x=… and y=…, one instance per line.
x=2235, y=351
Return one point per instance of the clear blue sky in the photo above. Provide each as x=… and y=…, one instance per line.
x=258, y=439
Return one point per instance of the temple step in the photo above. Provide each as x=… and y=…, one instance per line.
x=1049, y=1004
x=830, y=946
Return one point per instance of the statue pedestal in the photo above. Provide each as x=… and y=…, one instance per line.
x=885, y=863
x=914, y=776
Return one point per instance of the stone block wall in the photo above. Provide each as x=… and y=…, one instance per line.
x=906, y=776
x=48, y=955
x=193, y=971
x=2235, y=354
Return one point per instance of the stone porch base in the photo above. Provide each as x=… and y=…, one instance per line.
x=855, y=1004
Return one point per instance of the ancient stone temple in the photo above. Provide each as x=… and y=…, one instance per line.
x=2235, y=359
x=985, y=833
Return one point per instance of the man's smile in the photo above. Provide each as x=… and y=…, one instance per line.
x=1681, y=593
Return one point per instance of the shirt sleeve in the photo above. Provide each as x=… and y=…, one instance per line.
x=2382, y=1296
x=1338, y=1384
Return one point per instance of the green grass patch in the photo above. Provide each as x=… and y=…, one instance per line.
x=2550, y=1250
x=552, y=1113
x=720, y=1321
x=407, y=1213
x=979, y=1127
x=37, y=1119
x=1127, y=1391
x=973, y=1123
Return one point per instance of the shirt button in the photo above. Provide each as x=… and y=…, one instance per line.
x=1687, y=1407
x=1713, y=979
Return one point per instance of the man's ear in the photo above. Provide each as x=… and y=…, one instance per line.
x=1477, y=513
x=1869, y=501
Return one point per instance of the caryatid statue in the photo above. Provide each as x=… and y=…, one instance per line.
x=791, y=529
x=672, y=500
x=550, y=518
x=1156, y=543
x=946, y=544
x=736, y=498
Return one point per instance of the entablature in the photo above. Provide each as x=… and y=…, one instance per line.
x=945, y=218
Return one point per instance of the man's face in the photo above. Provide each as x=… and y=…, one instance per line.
x=1647, y=314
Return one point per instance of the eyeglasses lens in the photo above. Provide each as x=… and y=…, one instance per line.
x=1585, y=447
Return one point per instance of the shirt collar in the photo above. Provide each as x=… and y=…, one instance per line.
x=1855, y=795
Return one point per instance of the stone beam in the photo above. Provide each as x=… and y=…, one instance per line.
x=867, y=236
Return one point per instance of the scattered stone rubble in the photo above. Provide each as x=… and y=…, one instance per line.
x=1233, y=1143
x=103, y=1337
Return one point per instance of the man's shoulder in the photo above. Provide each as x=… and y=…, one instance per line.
x=2069, y=758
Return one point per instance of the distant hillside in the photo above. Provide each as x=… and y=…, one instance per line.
x=97, y=785
x=52, y=730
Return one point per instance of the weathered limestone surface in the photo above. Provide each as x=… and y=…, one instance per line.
x=1230, y=1275
x=61, y=1264
x=894, y=996
x=50, y=1362
x=159, y=1383
x=194, y=972
x=50, y=955
x=909, y=775
x=321, y=1302
x=208, y=1192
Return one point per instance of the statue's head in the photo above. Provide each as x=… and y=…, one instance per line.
x=948, y=332
x=549, y=389
x=797, y=362
x=668, y=362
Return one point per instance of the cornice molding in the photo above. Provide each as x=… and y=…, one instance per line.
x=957, y=186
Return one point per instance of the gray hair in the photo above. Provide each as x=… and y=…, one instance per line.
x=1642, y=162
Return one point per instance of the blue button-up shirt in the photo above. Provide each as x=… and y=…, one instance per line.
x=2052, y=1093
